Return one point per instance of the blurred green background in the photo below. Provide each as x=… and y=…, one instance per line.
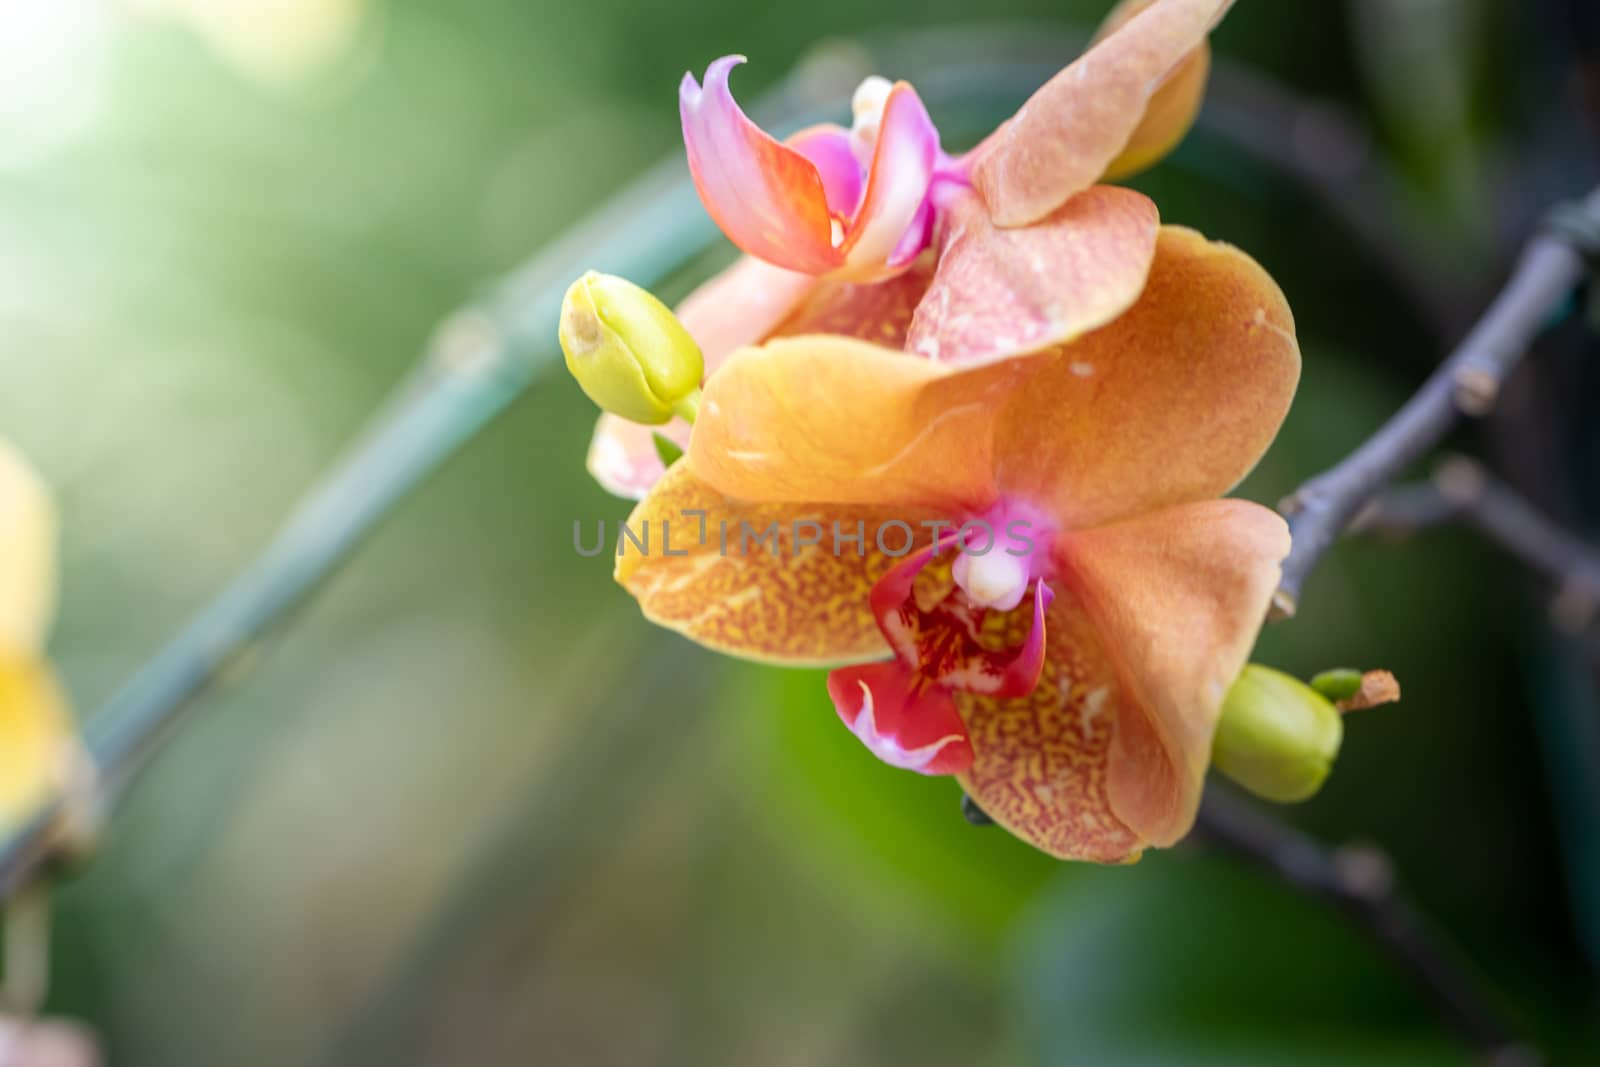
x=470, y=808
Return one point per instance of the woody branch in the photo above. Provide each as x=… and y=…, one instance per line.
x=1466, y=384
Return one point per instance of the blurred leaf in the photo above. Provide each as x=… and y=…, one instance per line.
x=892, y=844
x=1422, y=61
x=1189, y=959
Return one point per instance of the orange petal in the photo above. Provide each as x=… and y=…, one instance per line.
x=829, y=418
x=1069, y=133
x=738, y=307
x=749, y=585
x=1173, y=401
x=1177, y=597
x=1154, y=619
x=27, y=555
x=1000, y=293
x=1170, y=112
x=36, y=738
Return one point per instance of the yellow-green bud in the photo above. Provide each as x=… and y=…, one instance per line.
x=630, y=354
x=1339, y=683
x=1277, y=737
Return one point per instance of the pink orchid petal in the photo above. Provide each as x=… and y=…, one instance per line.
x=741, y=306
x=999, y=293
x=916, y=728
x=767, y=197
x=1021, y=673
x=917, y=237
x=903, y=164
x=623, y=457
x=830, y=150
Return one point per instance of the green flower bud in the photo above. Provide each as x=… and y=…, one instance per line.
x=1339, y=683
x=1277, y=737
x=629, y=353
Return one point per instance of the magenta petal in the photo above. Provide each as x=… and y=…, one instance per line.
x=903, y=165
x=914, y=727
x=768, y=198
x=830, y=151
x=1021, y=674
x=917, y=236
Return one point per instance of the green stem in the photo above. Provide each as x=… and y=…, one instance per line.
x=688, y=408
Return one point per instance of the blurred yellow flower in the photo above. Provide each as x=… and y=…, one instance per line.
x=27, y=555
x=36, y=732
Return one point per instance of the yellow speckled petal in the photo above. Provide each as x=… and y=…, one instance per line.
x=37, y=742
x=785, y=583
x=27, y=555
x=1040, y=762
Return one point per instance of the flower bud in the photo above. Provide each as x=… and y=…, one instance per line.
x=1277, y=737
x=1338, y=683
x=27, y=555
x=629, y=353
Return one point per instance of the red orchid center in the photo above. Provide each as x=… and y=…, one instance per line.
x=954, y=627
x=858, y=203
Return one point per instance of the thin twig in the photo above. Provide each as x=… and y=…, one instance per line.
x=1467, y=383
x=1461, y=491
x=1359, y=881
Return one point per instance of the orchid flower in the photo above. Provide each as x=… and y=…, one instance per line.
x=1012, y=245
x=36, y=735
x=1071, y=676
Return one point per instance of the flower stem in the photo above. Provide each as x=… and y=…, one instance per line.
x=688, y=409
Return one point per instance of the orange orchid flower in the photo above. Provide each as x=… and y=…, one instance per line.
x=1007, y=249
x=1063, y=640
